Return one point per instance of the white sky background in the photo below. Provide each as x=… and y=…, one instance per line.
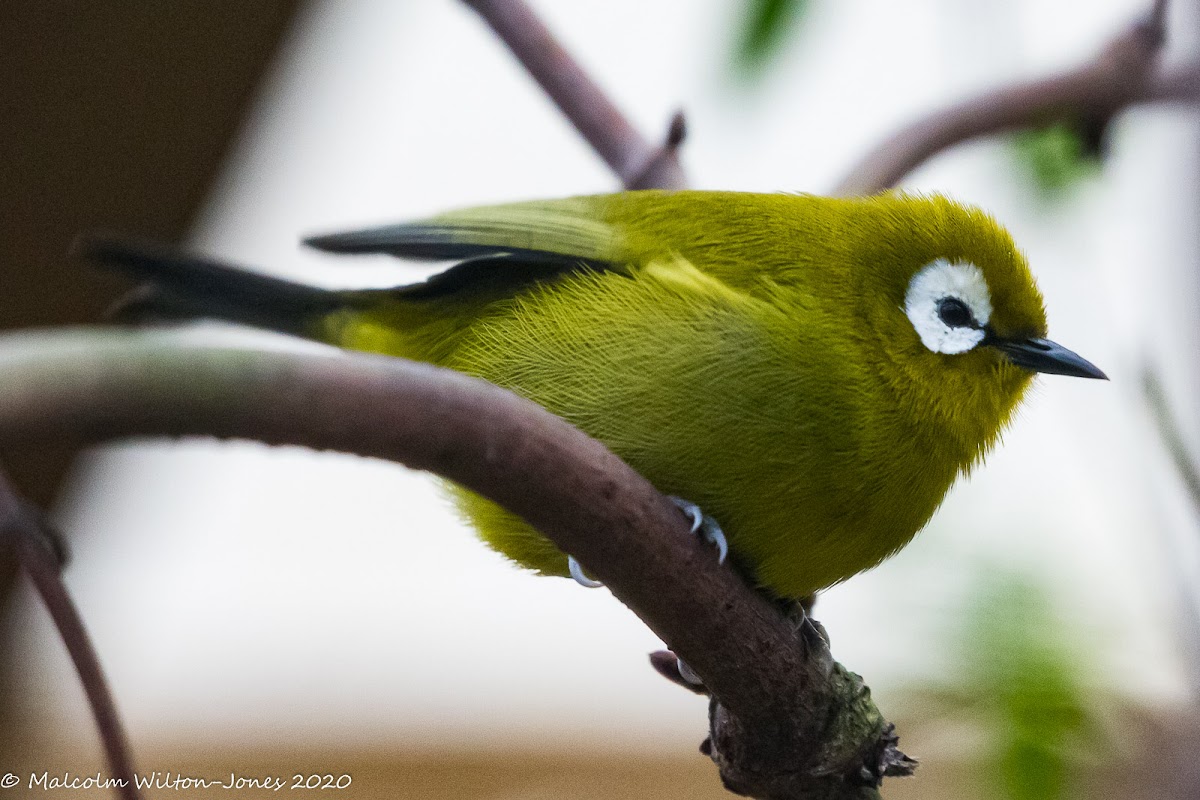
x=240, y=591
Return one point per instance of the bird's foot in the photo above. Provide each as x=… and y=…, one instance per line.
x=708, y=530
x=704, y=525
x=674, y=669
x=799, y=613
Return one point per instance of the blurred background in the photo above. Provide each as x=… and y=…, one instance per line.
x=275, y=611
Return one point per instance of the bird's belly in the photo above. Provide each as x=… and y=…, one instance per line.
x=792, y=528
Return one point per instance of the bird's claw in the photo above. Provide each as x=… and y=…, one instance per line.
x=705, y=525
x=687, y=673
x=580, y=577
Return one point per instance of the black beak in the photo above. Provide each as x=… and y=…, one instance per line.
x=1043, y=355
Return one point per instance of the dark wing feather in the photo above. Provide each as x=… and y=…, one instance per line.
x=491, y=275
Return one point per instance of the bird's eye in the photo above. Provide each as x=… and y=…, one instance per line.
x=954, y=312
x=949, y=305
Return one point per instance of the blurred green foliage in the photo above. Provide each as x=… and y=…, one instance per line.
x=1058, y=157
x=1020, y=681
x=1028, y=679
x=765, y=27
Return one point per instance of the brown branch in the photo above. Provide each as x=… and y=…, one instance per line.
x=787, y=722
x=635, y=161
x=1178, y=84
x=1123, y=74
x=38, y=557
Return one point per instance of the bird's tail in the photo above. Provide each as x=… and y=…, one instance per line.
x=178, y=285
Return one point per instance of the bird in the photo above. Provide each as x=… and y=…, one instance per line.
x=813, y=372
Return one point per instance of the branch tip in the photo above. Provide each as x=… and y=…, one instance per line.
x=1156, y=19
x=661, y=169
x=577, y=95
x=676, y=130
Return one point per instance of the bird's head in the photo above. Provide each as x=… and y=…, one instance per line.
x=960, y=317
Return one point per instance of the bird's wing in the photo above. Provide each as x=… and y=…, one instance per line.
x=501, y=249
x=734, y=237
x=536, y=231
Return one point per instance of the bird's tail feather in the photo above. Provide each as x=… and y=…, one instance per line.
x=178, y=285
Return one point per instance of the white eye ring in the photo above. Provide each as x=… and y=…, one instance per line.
x=941, y=280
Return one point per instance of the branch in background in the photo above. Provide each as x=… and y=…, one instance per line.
x=1188, y=597
x=788, y=722
x=639, y=164
x=1125, y=73
x=1172, y=436
x=40, y=559
x=1157, y=16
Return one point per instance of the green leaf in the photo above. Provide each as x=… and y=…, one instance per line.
x=765, y=26
x=1058, y=157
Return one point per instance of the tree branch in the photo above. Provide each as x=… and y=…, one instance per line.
x=35, y=555
x=787, y=721
x=635, y=161
x=1124, y=73
x=1171, y=435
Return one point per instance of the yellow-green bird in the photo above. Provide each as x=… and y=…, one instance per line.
x=812, y=372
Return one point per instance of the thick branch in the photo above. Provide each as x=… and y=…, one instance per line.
x=790, y=723
x=639, y=164
x=40, y=562
x=1123, y=74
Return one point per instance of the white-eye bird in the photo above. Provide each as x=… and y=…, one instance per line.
x=812, y=372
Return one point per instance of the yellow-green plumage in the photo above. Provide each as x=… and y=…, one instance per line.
x=749, y=353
